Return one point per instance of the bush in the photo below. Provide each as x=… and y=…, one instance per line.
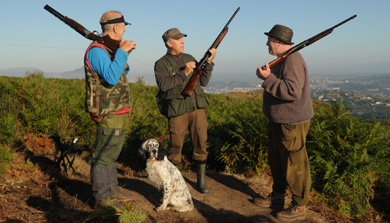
x=5, y=159
x=347, y=157
x=237, y=134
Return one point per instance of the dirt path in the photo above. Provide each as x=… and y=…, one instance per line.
x=41, y=194
x=230, y=200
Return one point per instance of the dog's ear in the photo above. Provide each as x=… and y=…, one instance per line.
x=161, y=152
x=142, y=150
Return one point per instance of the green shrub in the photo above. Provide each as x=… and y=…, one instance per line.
x=237, y=135
x=110, y=213
x=7, y=129
x=5, y=159
x=347, y=157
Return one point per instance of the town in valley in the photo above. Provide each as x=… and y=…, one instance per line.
x=366, y=97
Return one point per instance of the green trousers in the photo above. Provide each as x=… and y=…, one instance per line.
x=111, y=132
x=289, y=161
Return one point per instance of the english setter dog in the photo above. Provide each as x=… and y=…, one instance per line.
x=165, y=176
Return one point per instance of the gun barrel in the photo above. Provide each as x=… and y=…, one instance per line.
x=189, y=88
x=231, y=18
x=54, y=12
x=352, y=17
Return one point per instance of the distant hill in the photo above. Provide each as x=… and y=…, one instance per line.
x=19, y=71
x=75, y=74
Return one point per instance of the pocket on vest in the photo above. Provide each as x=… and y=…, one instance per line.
x=177, y=107
x=202, y=101
x=200, y=98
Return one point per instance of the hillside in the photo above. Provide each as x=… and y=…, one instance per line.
x=349, y=157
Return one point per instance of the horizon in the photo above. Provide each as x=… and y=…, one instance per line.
x=23, y=71
x=40, y=40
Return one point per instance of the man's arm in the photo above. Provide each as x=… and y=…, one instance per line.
x=206, y=76
x=291, y=82
x=101, y=63
x=166, y=81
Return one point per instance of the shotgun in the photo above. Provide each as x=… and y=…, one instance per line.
x=111, y=44
x=189, y=89
x=305, y=44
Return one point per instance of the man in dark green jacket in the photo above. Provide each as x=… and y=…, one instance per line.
x=172, y=72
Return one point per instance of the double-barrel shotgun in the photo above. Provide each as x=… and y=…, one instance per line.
x=111, y=44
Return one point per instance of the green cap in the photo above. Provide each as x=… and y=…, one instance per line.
x=173, y=33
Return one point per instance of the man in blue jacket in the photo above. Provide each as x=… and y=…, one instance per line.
x=108, y=103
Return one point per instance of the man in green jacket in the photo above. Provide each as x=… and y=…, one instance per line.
x=172, y=72
x=288, y=107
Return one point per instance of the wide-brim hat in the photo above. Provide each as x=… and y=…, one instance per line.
x=173, y=33
x=281, y=33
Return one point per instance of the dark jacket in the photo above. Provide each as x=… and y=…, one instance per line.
x=171, y=80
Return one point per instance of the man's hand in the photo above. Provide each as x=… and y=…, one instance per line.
x=127, y=45
x=190, y=66
x=213, y=52
x=263, y=74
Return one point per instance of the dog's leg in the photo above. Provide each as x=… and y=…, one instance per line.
x=167, y=194
x=180, y=202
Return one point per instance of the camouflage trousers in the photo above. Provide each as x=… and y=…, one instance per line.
x=289, y=161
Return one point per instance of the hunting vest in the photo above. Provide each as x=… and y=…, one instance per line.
x=102, y=98
x=173, y=103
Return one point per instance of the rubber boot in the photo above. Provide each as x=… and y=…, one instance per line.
x=200, y=174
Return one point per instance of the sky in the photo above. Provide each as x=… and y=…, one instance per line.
x=32, y=37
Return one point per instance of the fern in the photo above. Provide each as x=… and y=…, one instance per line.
x=341, y=150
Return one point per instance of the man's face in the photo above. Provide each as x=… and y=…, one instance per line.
x=273, y=46
x=176, y=46
x=121, y=29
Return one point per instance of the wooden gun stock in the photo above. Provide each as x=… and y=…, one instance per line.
x=305, y=44
x=190, y=87
x=198, y=71
x=111, y=44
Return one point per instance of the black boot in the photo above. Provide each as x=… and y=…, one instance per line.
x=200, y=173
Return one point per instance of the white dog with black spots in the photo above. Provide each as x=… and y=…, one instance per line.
x=165, y=176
